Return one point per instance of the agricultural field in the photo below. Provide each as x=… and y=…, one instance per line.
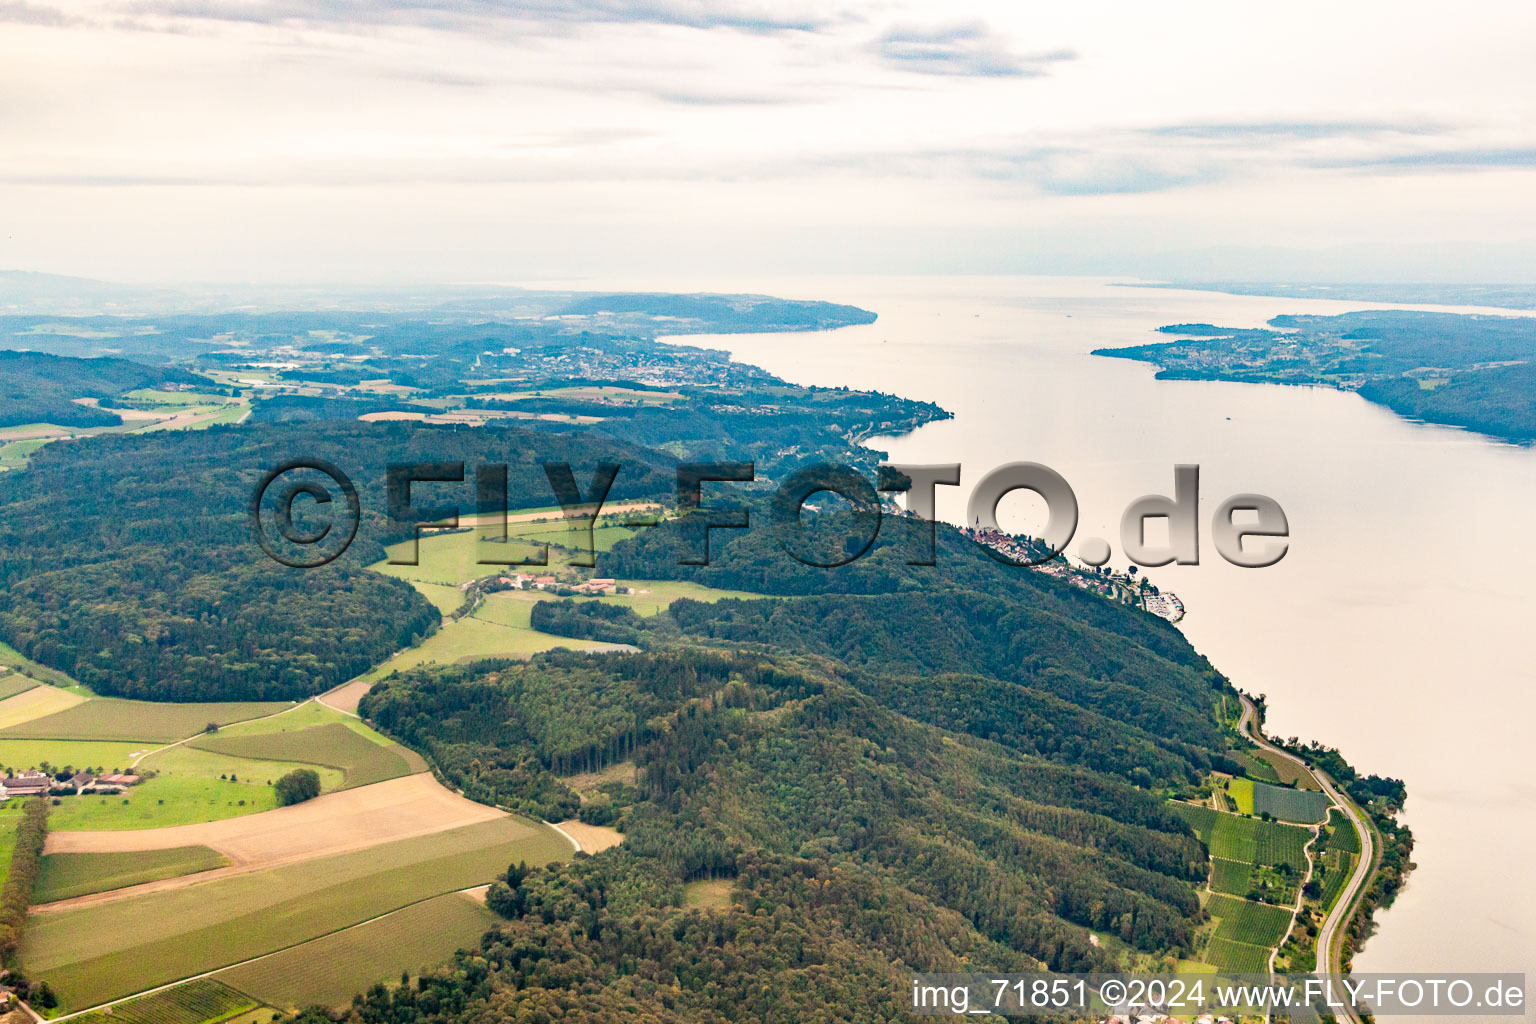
x=652, y=597
x=1287, y=772
x=58, y=754
x=195, y=1002
x=1307, y=806
x=1257, y=768
x=110, y=718
x=1341, y=834
x=473, y=637
x=10, y=817
x=1230, y=876
x=331, y=824
x=1237, y=957
x=449, y=559
x=327, y=971
x=12, y=683
x=104, y=951
x=66, y=875
x=1247, y=839
x=189, y=786
x=1337, y=866
x=360, y=761
x=446, y=599
x=16, y=454
x=33, y=703
x=1256, y=924
x=1241, y=791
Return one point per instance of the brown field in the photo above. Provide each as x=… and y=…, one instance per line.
x=592, y=838
x=353, y=819
x=346, y=696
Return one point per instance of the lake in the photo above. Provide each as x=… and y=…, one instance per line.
x=1395, y=627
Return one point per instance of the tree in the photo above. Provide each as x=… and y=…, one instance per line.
x=297, y=786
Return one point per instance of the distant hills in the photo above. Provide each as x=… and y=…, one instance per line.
x=36, y=387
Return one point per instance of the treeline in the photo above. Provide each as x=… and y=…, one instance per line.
x=26, y=866
x=131, y=565
x=588, y=620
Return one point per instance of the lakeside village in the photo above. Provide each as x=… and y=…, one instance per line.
x=1124, y=587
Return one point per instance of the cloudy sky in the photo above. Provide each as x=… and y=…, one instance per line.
x=432, y=140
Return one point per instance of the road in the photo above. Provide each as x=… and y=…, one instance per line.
x=1327, y=935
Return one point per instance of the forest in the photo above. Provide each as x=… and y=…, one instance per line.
x=859, y=843
x=131, y=564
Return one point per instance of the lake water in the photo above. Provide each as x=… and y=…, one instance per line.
x=1396, y=626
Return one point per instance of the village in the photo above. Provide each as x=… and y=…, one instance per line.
x=1124, y=587
x=67, y=782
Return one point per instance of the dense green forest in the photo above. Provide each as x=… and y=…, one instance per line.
x=36, y=387
x=1499, y=400
x=1465, y=370
x=859, y=843
x=131, y=564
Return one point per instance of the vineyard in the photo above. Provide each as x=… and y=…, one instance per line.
x=1250, y=841
x=1230, y=876
x=1237, y=957
x=1343, y=836
x=192, y=1003
x=1302, y=805
x=1256, y=924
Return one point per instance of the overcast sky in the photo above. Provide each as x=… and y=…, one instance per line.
x=345, y=140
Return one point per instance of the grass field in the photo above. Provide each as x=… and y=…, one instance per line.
x=449, y=559
x=37, y=702
x=1247, y=839
x=24, y=754
x=108, y=718
x=10, y=817
x=96, y=953
x=651, y=597
x=1237, y=957
x=1302, y=805
x=707, y=894
x=186, y=789
x=475, y=637
x=16, y=454
x=312, y=714
x=329, y=970
x=12, y=683
x=12, y=658
x=195, y=1002
x=1256, y=924
x=66, y=875
x=446, y=599
x=332, y=745
x=1241, y=792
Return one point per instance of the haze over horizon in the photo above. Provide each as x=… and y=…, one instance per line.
x=159, y=141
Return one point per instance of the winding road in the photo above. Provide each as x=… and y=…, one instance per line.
x=1327, y=934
